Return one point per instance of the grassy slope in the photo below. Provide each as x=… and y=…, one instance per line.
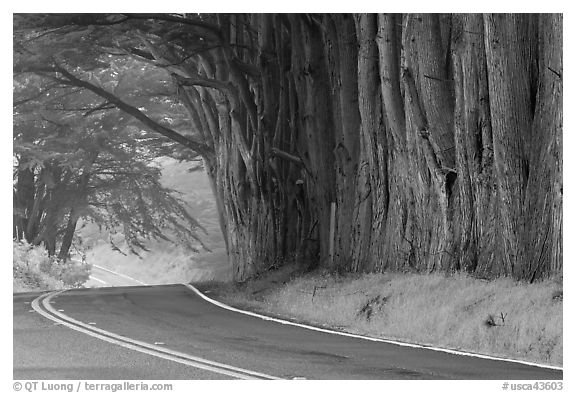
x=450, y=312
x=166, y=262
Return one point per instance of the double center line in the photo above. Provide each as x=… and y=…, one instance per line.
x=43, y=307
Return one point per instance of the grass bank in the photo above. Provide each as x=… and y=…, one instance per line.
x=500, y=318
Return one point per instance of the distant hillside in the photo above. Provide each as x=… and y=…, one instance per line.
x=167, y=262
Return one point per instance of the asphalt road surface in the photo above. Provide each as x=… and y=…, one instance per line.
x=199, y=340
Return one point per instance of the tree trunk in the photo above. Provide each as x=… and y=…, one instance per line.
x=374, y=143
x=543, y=232
x=68, y=236
x=341, y=58
x=509, y=90
x=23, y=203
x=314, y=118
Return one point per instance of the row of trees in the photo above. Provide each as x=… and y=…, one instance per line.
x=76, y=164
x=354, y=142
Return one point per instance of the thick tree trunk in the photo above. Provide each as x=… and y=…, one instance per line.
x=509, y=89
x=340, y=44
x=315, y=120
x=398, y=252
x=543, y=231
x=374, y=143
x=475, y=230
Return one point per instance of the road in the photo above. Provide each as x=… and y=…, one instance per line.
x=102, y=277
x=199, y=340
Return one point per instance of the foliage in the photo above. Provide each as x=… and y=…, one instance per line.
x=34, y=269
x=167, y=263
x=79, y=158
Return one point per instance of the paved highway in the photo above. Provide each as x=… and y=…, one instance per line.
x=169, y=332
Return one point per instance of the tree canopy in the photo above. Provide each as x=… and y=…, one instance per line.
x=79, y=157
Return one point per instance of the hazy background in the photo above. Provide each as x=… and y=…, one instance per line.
x=167, y=262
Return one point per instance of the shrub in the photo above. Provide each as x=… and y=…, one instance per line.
x=34, y=269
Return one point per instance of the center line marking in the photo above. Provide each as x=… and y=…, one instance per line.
x=42, y=305
x=97, y=279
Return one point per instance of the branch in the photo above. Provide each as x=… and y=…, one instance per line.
x=136, y=113
x=245, y=68
x=212, y=28
x=140, y=53
x=103, y=106
x=90, y=19
x=287, y=156
x=187, y=100
x=204, y=82
x=38, y=95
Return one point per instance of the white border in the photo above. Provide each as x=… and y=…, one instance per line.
x=387, y=341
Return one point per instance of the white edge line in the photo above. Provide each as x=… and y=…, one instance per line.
x=136, y=345
x=97, y=279
x=119, y=274
x=388, y=341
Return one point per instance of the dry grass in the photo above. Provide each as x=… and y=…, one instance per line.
x=501, y=317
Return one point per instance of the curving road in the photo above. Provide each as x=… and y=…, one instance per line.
x=102, y=277
x=169, y=332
